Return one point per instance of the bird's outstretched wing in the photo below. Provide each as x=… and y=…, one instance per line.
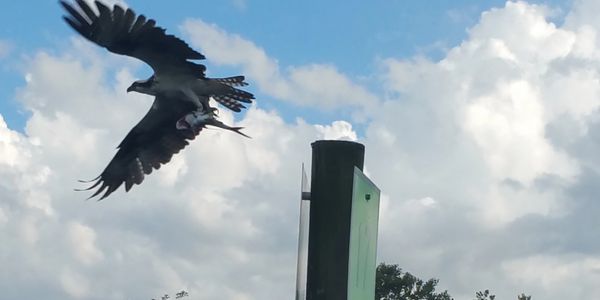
x=150, y=144
x=123, y=32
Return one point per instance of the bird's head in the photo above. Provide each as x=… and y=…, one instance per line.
x=143, y=86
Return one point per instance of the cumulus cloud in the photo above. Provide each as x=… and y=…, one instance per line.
x=548, y=271
x=487, y=160
x=338, y=130
x=82, y=240
x=493, y=133
x=76, y=286
x=212, y=222
x=316, y=85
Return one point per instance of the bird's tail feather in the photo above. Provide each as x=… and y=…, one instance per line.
x=233, y=99
x=230, y=96
x=229, y=102
x=235, y=81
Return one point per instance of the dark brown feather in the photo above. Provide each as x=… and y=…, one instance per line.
x=151, y=143
x=121, y=32
x=87, y=10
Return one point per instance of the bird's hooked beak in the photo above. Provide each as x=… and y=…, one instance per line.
x=130, y=88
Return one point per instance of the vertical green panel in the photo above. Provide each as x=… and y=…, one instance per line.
x=363, y=238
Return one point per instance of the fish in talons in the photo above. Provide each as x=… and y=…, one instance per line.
x=197, y=120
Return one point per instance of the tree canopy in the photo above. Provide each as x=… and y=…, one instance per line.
x=393, y=284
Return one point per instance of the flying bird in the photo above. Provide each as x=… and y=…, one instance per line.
x=181, y=89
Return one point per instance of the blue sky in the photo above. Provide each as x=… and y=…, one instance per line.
x=351, y=36
x=479, y=120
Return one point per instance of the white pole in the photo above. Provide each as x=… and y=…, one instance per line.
x=302, y=263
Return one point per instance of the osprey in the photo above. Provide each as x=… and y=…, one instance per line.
x=182, y=91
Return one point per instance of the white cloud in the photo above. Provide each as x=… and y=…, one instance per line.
x=316, y=85
x=82, y=240
x=10, y=154
x=338, y=130
x=583, y=14
x=542, y=273
x=216, y=216
x=76, y=286
x=491, y=133
x=3, y=217
x=509, y=125
x=487, y=160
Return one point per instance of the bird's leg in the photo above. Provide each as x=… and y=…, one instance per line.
x=196, y=100
x=202, y=115
x=213, y=111
x=205, y=110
